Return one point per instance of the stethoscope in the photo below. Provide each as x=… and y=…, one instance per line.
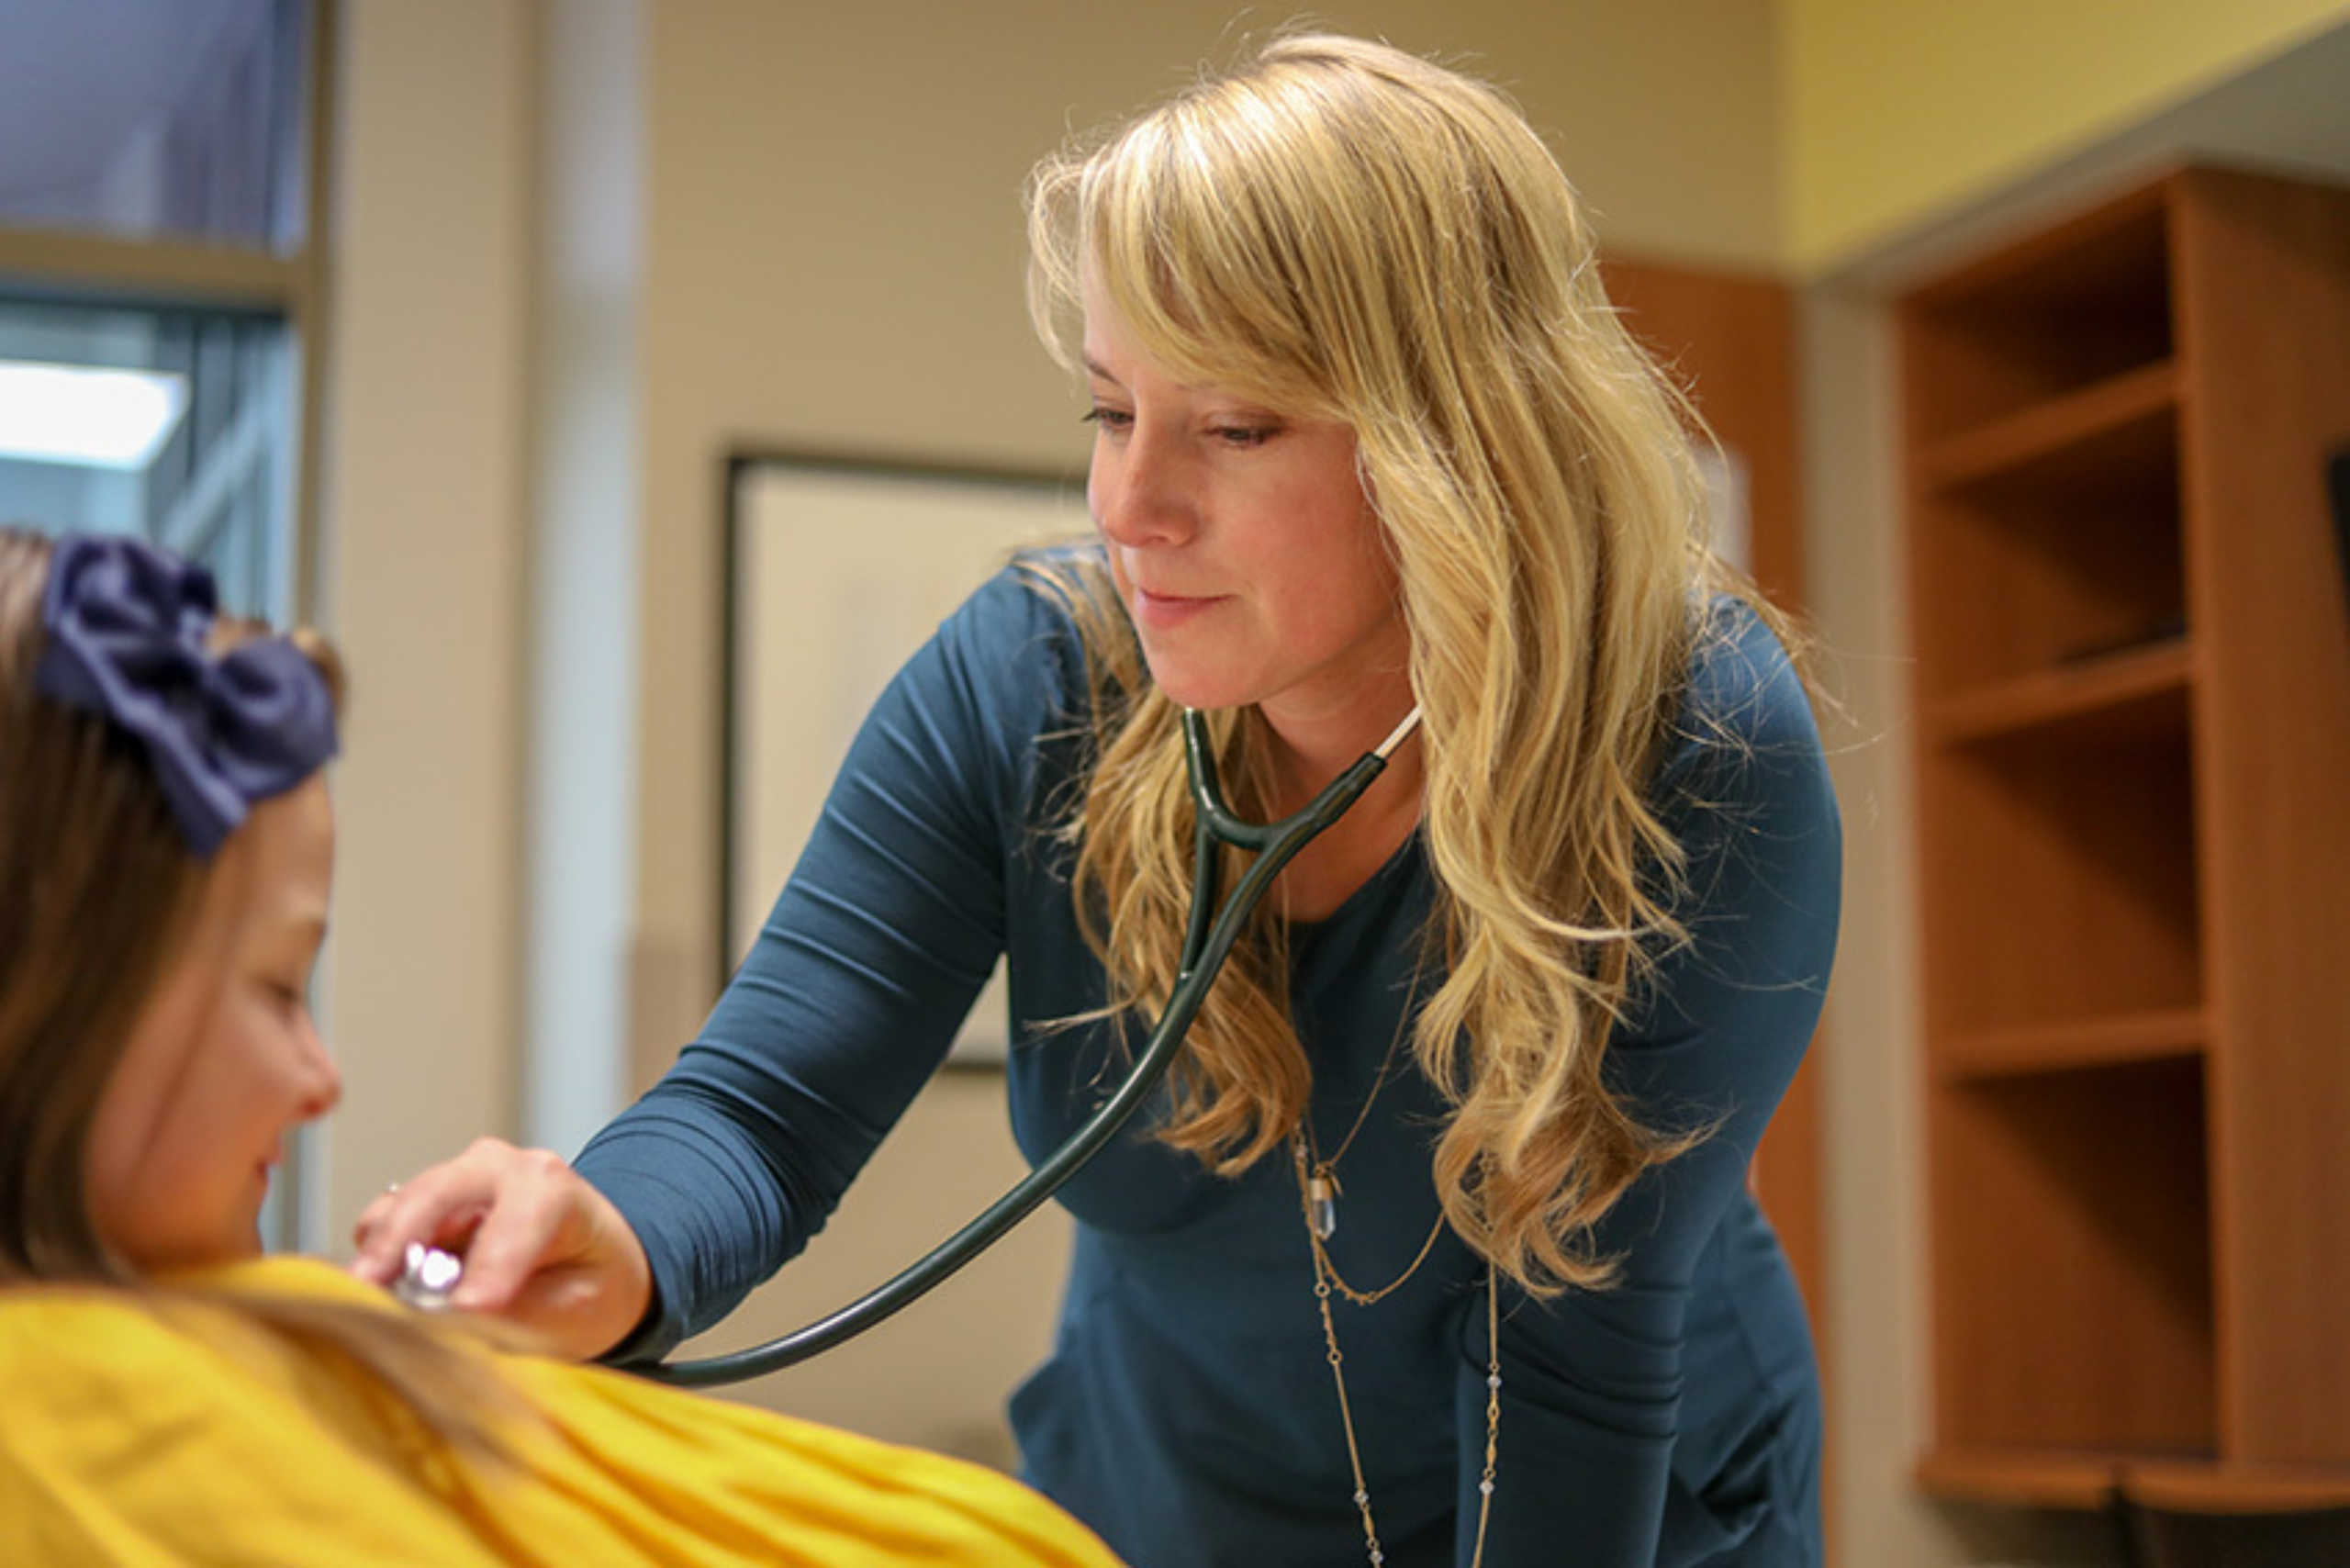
x=1207, y=941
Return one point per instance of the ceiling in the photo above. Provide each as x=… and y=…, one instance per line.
x=79, y=78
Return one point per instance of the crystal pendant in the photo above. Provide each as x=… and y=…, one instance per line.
x=1322, y=1205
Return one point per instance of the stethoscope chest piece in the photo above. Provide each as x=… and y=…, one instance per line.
x=428, y=1276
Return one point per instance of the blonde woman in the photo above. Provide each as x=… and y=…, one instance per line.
x=1437, y=1249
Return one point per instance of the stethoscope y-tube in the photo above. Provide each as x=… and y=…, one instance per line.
x=1206, y=943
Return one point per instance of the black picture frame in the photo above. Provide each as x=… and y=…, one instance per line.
x=877, y=551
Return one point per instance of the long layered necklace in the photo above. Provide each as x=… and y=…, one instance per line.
x=1319, y=1193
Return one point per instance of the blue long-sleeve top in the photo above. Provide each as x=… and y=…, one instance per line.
x=1187, y=1411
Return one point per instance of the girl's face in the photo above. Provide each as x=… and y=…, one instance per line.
x=1248, y=555
x=224, y=1062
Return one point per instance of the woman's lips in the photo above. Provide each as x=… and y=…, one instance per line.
x=1160, y=611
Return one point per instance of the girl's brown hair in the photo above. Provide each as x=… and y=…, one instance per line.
x=98, y=889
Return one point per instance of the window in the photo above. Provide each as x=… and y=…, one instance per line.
x=158, y=289
x=175, y=424
x=160, y=302
x=155, y=119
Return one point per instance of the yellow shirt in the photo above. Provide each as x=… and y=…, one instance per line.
x=136, y=1434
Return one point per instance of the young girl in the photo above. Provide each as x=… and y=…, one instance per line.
x=166, y=850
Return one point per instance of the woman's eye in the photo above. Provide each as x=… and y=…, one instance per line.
x=1244, y=436
x=1116, y=421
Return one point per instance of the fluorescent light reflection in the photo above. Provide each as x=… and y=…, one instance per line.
x=84, y=415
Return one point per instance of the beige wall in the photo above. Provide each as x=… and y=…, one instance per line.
x=424, y=490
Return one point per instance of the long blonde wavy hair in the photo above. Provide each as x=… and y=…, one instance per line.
x=1345, y=231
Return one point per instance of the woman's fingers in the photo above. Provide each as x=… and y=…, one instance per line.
x=580, y=1312
x=528, y=1225
x=440, y=1206
x=542, y=1247
x=555, y=1256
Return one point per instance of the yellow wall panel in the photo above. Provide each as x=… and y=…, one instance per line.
x=1895, y=112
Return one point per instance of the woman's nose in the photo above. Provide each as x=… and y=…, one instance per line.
x=1140, y=495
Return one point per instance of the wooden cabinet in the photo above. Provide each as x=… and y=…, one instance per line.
x=1728, y=340
x=2133, y=732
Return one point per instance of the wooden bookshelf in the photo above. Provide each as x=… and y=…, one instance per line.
x=2132, y=682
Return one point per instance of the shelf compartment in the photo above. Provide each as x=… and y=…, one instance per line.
x=2084, y=1478
x=2137, y=693
x=2176, y=1032
x=2053, y=557
x=2073, y=1264
x=2081, y=305
x=2124, y=425
x=2186, y=1483
x=2127, y=837
x=2034, y=1478
x=2061, y=873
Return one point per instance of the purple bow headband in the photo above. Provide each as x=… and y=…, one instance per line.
x=128, y=625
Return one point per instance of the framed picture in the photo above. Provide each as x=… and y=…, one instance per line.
x=836, y=571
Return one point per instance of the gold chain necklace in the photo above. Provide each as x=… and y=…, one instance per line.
x=1324, y=1276
x=1321, y=1188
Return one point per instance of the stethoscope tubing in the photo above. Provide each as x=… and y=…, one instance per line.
x=1208, y=941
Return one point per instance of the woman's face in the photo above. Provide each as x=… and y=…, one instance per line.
x=225, y=1061
x=1248, y=555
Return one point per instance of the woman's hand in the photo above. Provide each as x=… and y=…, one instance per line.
x=543, y=1248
